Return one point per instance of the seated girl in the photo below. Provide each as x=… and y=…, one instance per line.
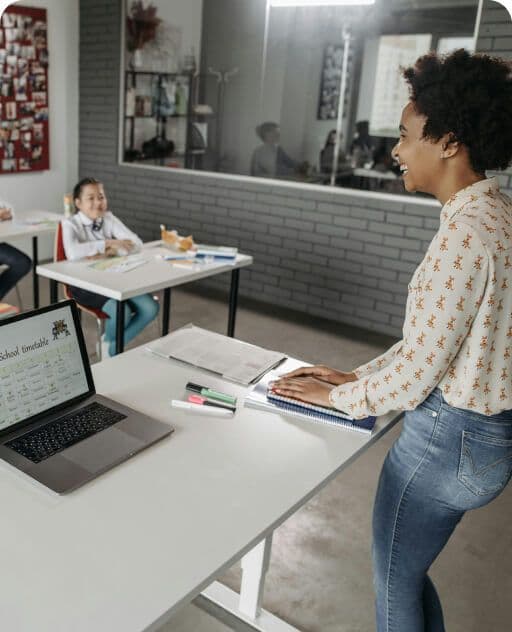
x=95, y=232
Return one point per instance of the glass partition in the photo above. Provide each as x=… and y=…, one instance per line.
x=254, y=89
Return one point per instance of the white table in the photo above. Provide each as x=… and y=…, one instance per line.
x=374, y=173
x=153, y=276
x=30, y=224
x=126, y=551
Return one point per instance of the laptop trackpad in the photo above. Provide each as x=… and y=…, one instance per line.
x=103, y=449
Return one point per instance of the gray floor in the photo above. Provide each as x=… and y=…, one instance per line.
x=320, y=573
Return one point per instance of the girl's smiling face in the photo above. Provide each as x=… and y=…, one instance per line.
x=92, y=201
x=421, y=159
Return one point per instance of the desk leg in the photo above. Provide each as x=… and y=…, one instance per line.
x=254, y=568
x=35, y=279
x=54, y=292
x=166, y=311
x=245, y=608
x=233, y=301
x=120, y=327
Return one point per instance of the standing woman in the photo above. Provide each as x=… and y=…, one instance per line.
x=94, y=232
x=452, y=370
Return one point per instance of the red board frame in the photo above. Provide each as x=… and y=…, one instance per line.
x=24, y=125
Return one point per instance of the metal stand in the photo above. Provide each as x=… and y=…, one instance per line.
x=233, y=301
x=120, y=327
x=166, y=311
x=54, y=292
x=35, y=278
x=246, y=607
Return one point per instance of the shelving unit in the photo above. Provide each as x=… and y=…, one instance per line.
x=154, y=81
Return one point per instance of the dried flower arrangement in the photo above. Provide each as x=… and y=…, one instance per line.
x=141, y=25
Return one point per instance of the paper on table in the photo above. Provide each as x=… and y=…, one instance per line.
x=27, y=221
x=118, y=264
x=233, y=359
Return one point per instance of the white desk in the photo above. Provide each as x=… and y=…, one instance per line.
x=154, y=275
x=124, y=552
x=375, y=173
x=45, y=224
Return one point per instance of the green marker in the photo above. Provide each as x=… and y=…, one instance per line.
x=208, y=392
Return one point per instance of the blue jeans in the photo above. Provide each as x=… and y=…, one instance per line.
x=138, y=312
x=19, y=265
x=446, y=461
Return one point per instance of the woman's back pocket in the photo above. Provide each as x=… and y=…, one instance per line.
x=485, y=464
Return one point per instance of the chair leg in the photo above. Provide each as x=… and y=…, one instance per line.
x=18, y=294
x=100, y=326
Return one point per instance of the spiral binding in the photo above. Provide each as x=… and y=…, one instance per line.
x=320, y=414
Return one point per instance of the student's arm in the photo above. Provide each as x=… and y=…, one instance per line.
x=75, y=249
x=122, y=232
x=440, y=313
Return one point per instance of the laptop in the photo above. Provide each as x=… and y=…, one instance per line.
x=53, y=425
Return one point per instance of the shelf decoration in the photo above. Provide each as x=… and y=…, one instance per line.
x=141, y=28
x=24, y=127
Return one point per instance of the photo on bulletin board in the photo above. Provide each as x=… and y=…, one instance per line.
x=24, y=126
x=330, y=82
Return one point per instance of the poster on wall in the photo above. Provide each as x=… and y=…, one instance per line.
x=330, y=83
x=24, y=142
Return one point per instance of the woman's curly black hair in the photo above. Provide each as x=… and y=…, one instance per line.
x=470, y=97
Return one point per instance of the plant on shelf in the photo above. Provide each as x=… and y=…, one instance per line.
x=141, y=27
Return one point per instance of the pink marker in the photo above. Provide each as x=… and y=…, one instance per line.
x=204, y=401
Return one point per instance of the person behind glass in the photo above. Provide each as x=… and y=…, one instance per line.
x=18, y=263
x=344, y=169
x=362, y=147
x=451, y=372
x=94, y=232
x=269, y=160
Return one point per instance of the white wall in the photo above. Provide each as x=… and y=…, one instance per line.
x=44, y=189
x=187, y=16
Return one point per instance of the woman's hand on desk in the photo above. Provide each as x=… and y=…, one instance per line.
x=307, y=389
x=324, y=373
x=5, y=214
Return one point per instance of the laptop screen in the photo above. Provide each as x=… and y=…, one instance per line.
x=41, y=364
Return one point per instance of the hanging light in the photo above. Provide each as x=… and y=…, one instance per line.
x=318, y=3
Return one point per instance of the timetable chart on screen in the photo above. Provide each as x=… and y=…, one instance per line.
x=40, y=366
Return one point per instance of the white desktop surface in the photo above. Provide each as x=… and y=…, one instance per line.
x=375, y=173
x=152, y=276
x=18, y=227
x=122, y=553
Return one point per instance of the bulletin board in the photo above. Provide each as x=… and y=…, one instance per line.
x=24, y=127
x=330, y=83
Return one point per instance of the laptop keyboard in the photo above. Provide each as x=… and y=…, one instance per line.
x=64, y=432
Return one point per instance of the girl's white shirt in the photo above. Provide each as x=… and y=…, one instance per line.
x=80, y=240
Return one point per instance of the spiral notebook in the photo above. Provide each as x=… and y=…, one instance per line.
x=260, y=397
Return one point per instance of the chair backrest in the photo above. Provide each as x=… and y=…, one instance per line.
x=59, y=254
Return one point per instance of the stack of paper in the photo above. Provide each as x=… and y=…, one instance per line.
x=233, y=359
x=217, y=252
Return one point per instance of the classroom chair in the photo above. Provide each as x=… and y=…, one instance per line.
x=7, y=310
x=3, y=268
x=59, y=254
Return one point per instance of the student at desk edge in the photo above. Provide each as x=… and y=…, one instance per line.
x=93, y=232
x=452, y=370
x=18, y=262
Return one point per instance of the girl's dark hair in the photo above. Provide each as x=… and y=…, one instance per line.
x=77, y=191
x=468, y=96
